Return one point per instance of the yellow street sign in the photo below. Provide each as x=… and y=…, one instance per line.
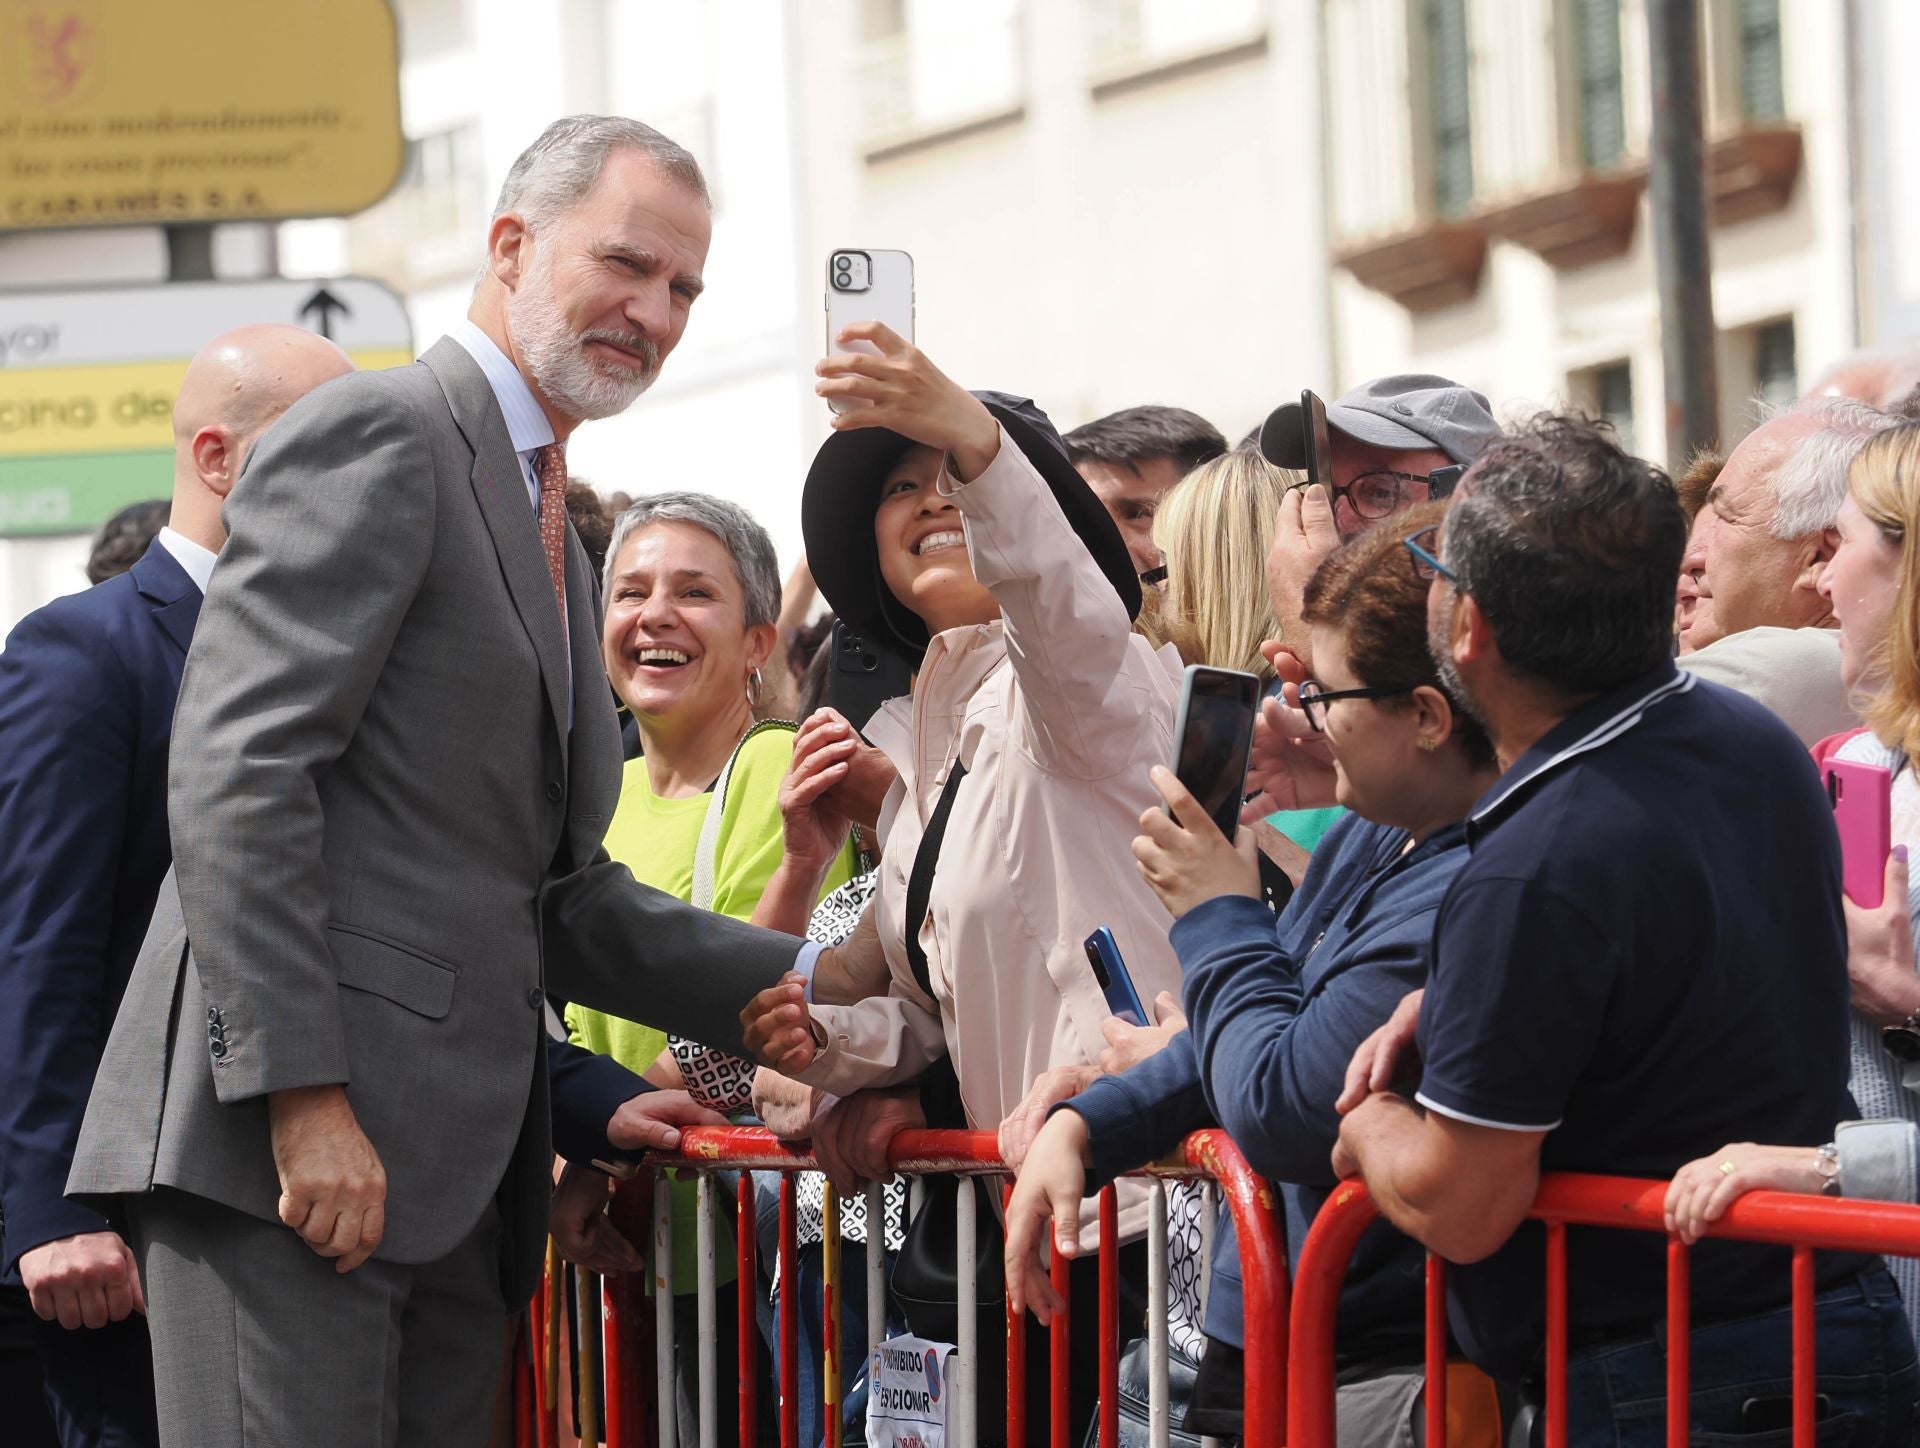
x=88, y=378
x=119, y=112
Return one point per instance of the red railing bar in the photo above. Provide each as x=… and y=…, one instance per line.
x=923, y=1152
x=1109, y=1318
x=1784, y=1219
x=1016, y=1358
x=1806, y=1223
x=1263, y=1280
x=1803, y=1350
x=748, y=1343
x=1249, y=1201
x=789, y=1310
x=1556, y=1334
x=1436, y=1388
x=1059, y=1345
x=1679, y=1342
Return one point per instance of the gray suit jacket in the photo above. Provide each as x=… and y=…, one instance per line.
x=383, y=830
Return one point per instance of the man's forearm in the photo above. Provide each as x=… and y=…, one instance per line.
x=1454, y=1206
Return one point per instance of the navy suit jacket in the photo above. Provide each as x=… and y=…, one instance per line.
x=87, y=689
x=87, y=686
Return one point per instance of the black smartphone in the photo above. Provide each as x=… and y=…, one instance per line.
x=1213, y=737
x=862, y=676
x=1442, y=481
x=1313, y=428
x=1774, y=1413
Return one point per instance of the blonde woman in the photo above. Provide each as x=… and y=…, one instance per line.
x=1215, y=529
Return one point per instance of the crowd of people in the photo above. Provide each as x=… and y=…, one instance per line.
x=396, y=838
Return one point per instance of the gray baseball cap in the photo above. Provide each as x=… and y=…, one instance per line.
x=1407, y=412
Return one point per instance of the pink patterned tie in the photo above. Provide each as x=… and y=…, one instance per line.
x=550, y=467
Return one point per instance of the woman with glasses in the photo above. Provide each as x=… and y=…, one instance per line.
x=1279, y=1006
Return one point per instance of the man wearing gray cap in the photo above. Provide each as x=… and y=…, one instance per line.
x=1386, y=438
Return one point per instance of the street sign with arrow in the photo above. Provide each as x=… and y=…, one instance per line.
x=320, y=308
x=87, y=379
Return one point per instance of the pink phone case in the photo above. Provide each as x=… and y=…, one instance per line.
x=1862, y=796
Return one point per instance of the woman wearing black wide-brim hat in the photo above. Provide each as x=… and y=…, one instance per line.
x=950, y=527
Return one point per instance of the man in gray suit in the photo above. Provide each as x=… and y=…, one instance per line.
x=325, y=1097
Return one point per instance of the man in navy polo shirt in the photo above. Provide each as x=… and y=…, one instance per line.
x=1644, y=957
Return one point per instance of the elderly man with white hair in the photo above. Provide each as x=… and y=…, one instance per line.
x=1755, y=555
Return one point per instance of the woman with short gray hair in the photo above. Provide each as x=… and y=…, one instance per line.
x=692, y=592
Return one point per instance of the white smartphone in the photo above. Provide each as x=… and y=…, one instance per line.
x=867, y=286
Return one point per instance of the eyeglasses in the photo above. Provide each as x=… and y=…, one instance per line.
x=1314, y=699
x=1426, y=565
x=1382, y=493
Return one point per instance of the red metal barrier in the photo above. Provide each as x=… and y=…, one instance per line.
x=973, y=1154
x=1804, y=1223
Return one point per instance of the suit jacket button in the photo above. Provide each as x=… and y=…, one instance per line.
x=556, y=791
x=534, y=997
x=219, y=1049
x=213, y=1014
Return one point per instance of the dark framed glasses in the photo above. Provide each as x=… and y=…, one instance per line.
x=1426, y=563
x=1385, y=491
x=1314, y=699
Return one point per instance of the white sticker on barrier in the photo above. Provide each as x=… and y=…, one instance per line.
x=909, y=1393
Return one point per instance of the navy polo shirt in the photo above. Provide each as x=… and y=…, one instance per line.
x=1645, y=958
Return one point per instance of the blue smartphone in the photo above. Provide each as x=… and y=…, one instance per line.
x=1103, y=954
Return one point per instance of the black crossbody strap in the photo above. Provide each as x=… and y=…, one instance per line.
x=920, y=883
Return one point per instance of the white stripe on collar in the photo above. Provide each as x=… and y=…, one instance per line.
x=527, y=426
x=1601, y=734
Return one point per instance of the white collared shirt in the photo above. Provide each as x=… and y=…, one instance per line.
x=528, y=428
x=197, y=561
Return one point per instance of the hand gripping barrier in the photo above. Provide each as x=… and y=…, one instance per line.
x=639, y=1365
x=1804, y=1223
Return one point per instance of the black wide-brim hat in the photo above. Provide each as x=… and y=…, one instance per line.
x=843, y=493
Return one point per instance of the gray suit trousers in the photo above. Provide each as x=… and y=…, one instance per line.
x=259, y=1343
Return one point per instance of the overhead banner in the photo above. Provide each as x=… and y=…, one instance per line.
x=88, y=378
x=121, y=112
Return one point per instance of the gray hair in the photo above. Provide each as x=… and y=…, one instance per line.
x=552, y=175
x=746, y=542
x=1811, y=482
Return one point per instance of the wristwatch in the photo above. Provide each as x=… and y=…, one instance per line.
x=1826, y=1165
x=1902, y=1041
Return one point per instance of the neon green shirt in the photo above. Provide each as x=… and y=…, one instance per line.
x=658, y=839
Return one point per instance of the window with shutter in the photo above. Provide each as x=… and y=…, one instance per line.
x=1762, y=86
x=1447, y=60
x=1596, y=39
x=1776, y=381
x=1613, y=389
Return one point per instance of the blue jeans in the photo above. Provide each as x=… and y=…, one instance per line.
x=1864, y=1359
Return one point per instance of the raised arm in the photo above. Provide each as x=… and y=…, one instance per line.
x=1067, y=631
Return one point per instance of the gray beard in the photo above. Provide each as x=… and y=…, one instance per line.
x=558, y=360
x=1440, y=650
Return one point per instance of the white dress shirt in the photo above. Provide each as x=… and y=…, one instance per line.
x=197, y=561
x=527, y=426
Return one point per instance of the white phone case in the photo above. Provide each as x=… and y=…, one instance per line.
x=888, y=299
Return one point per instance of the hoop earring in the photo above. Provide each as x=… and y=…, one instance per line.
x=756, y=686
